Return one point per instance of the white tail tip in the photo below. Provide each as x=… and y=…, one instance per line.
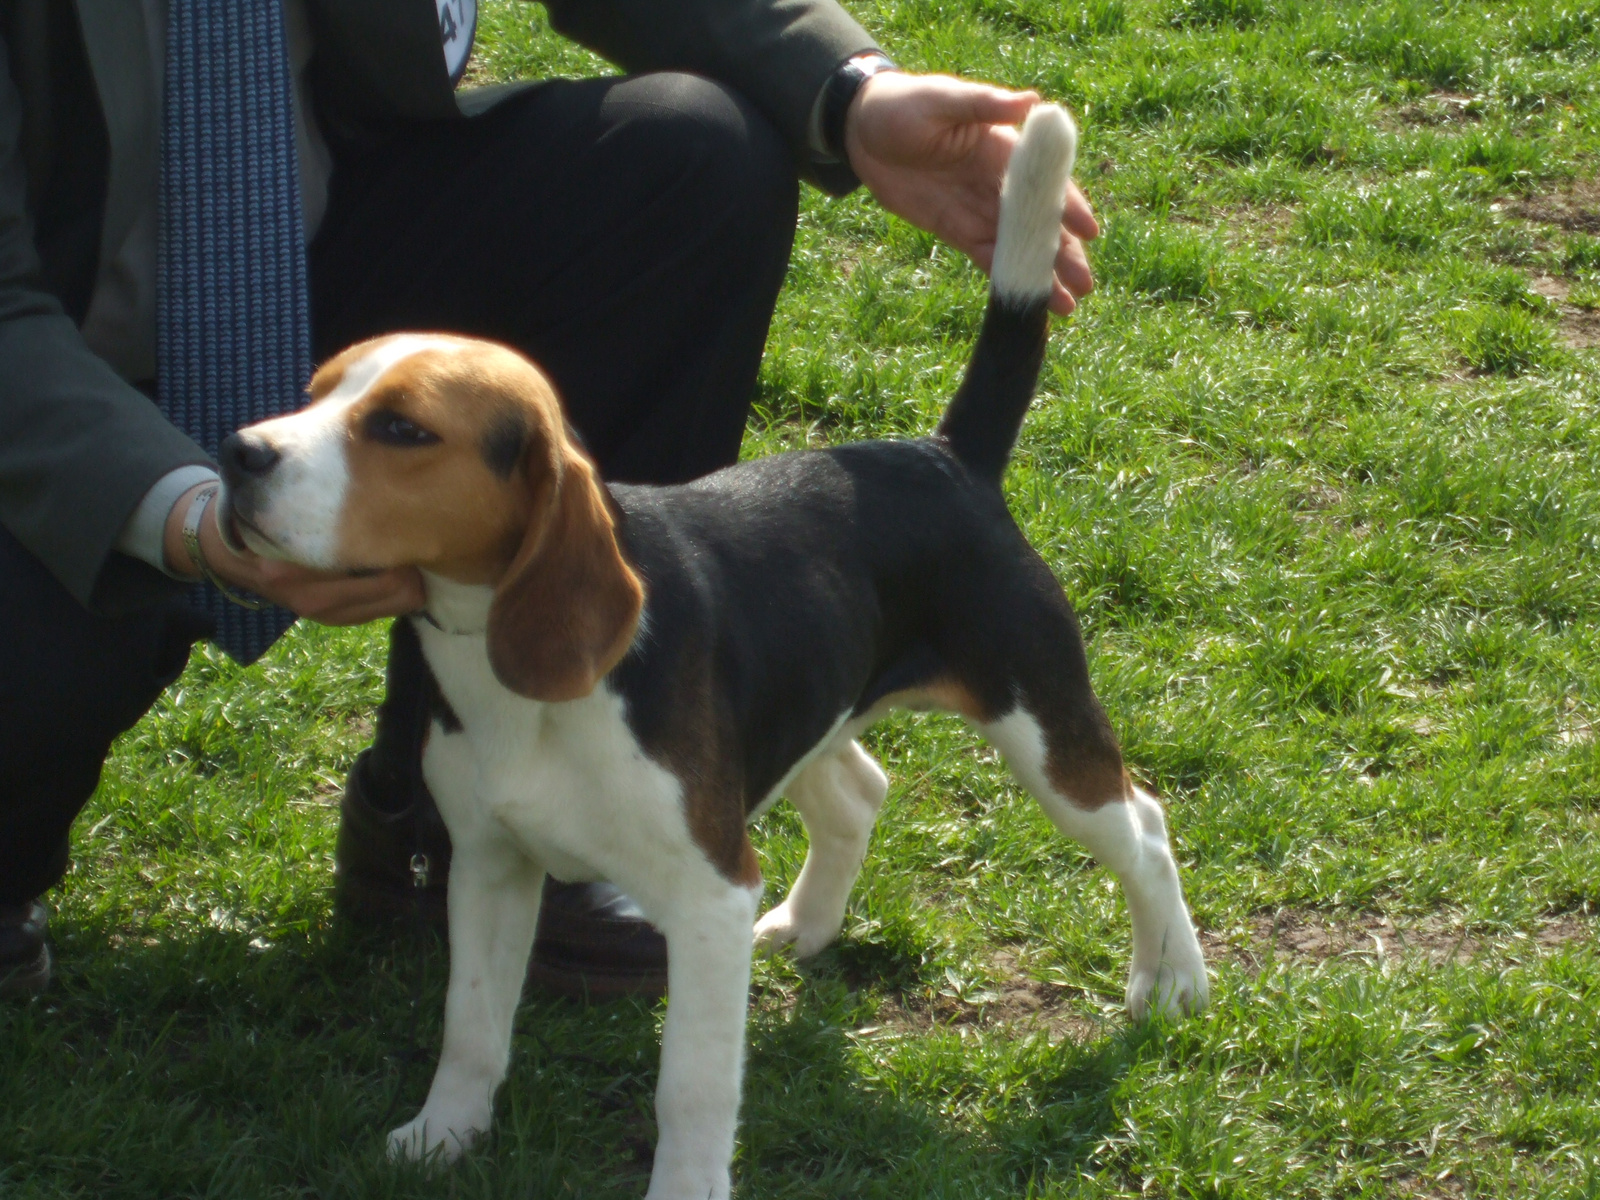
x=1031, y=200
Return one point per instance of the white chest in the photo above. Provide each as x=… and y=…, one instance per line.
x=569, y=782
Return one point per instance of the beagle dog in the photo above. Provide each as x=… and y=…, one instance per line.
x=626, y=676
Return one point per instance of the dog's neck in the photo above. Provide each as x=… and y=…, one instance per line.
x=454, y=607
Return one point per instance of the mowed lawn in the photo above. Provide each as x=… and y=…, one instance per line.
x=1318, y=466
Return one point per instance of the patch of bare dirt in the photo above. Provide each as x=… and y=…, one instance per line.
x=1015, y=1003
x=1019, y=1004
x=1576, y=724
x=1580, y=328
x=1253, y=224
x=1302, y=937
x=1422, y=1187
x=1438, y=108
x=1574, y=207
x=1320, y=496
x=1552, y=289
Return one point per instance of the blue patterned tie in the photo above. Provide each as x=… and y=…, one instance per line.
x=234, y=326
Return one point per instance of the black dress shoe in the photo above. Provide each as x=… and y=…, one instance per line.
x=24, y=950
x=392, y=863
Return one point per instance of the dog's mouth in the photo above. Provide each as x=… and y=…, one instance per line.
x=233, y=525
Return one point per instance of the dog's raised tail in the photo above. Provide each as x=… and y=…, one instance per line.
x=982, y=421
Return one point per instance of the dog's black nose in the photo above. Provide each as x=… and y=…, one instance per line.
x=243, y=459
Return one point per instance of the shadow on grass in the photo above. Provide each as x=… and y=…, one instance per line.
x=838, y=1105
x=204, y=1059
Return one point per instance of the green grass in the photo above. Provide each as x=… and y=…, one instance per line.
x=1318, y=467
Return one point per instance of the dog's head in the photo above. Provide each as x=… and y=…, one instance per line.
x=450, y=455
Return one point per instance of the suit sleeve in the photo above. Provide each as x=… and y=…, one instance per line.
x=79, y=447
x=776, y=53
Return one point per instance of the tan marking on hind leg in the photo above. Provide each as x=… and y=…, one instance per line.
x=838, y=797
x=1088, y=781
x=937, y=695
x=1127, y=833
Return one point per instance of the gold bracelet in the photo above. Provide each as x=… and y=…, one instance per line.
x=191, y=543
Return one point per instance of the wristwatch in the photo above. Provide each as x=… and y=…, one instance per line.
x=834, y=103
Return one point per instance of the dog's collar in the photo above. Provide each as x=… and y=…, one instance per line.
x=423, y=614
x=461, y=609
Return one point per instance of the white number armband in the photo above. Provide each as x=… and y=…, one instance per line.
x=458, y=23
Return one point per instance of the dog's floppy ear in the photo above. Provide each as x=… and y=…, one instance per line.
x=567, y=608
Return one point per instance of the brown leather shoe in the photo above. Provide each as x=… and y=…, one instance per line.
x=389, y=866
x=25, y=963
x=594, y=944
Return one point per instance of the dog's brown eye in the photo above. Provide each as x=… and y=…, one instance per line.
x=392, y=429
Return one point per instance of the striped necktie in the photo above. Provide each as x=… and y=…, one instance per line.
x=233, y=325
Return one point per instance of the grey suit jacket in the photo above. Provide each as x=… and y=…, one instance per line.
x=79, y=446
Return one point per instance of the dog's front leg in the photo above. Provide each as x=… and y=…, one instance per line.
x=702, y=1044
x=494, y=909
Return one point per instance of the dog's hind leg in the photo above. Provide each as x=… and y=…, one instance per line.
x=1021, y=655
x=1125, y=830
x=838, y=797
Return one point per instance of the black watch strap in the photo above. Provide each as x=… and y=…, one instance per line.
x=840, y=90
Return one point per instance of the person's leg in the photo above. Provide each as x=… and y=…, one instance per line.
x=628, y=235
x=70, y=681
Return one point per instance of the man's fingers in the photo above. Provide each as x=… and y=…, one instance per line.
x=933, y=150
x=1078, y=216
x=339, y=600
x=359, y=614
x=1072, y=266
x=990, y=105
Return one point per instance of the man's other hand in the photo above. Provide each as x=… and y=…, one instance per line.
x=325, y=597
x=933, y=149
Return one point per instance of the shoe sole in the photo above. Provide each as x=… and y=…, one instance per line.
x=369, y=904
x=376, y=906
x=593, y=986
x=27, y=979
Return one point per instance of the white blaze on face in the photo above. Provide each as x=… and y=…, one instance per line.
x=298, y=508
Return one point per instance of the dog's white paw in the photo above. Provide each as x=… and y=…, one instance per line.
x=1176, y=987
x=428, y=1138
x=783, y=927
x=667, y=1183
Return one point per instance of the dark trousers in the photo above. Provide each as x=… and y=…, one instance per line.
x=628, y=235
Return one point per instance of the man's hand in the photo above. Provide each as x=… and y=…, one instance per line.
x=331, y=599
x=933, y=150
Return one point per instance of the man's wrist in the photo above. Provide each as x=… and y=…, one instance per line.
x=826, y=134
x=144, y=535
x=198, y=503
x=175, y=555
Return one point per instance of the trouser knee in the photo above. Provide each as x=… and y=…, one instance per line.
x=729, y=159
x=71, y=680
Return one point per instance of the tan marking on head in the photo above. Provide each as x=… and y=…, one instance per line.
x=330, y=373
x=439, y=504
x=459, y=461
